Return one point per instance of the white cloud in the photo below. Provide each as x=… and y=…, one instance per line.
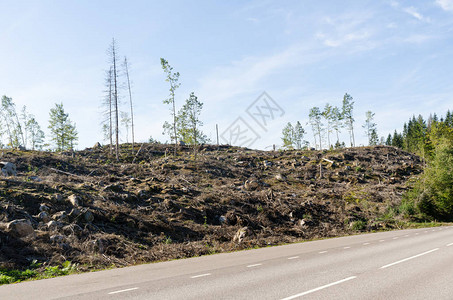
x=414, y=13
x=445, y=4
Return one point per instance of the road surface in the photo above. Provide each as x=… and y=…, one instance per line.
x=405, y=264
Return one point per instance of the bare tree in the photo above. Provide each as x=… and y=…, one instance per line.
x=113, y=60
x=126, y=69
x=107, y=123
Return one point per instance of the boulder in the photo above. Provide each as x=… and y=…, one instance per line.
x=8, y=168
x=20, y=228
x=97, y=145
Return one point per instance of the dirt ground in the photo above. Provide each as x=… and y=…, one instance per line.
x=88, y=209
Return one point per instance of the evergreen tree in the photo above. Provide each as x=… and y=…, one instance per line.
x=347, y=115
x=299, y=133
x=13, y=127
x=316, y=124
x=63, y=132
x=172, y=79
x=336, y=122
x=328, y=114
x=288, y=136
x=35, y=133
x=370, y=128
x=188, y=122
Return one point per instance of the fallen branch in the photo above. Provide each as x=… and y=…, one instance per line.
x=328, y=160
x=63, y=172
x=133, y=161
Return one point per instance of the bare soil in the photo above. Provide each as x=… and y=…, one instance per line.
x=155, y=206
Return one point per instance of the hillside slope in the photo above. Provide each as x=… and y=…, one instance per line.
x=90, y=210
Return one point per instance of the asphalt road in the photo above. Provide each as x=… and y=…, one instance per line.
x=406, y=264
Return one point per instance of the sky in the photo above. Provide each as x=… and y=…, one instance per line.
x=256, y=65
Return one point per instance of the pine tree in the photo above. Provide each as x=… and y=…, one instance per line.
x=189, y=123
x=288, y=136
x=329, y=115
x=316, y=124
x=337, y=122
x=63, y=132
x=370, y=129
x=347, y=116
x=299, y=136
x=35, y=133
x=172, y=79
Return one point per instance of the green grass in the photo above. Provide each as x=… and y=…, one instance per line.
x=13, y=276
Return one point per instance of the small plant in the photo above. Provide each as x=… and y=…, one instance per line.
x=168, y=240
x=358, y=225
x=260, y=209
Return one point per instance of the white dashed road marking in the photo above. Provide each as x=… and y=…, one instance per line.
x=322, y=252
x=201, y=275
x=319, y=288
x=409, y=258
x=252, y=266
x=122, y=291
x=294, y=257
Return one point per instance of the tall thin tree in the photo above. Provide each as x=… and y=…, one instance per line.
x=172, y=78
x=126, y=70
x=347, y=114
x=113, y=56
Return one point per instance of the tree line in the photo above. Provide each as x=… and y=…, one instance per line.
x=327, y=124
x=21, y=130
x=431, y=197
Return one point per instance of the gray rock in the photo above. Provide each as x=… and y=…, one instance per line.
x=20, y=228
x=181, y=143
x=8, y=168
x=44, y=207
x=74, y=199
x=97, y=145
x=222, y=219
x=44, y=216
x=88, y=216
x=57, y=198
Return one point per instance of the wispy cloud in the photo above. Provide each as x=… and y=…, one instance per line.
x=445, y=4
x=414, y=13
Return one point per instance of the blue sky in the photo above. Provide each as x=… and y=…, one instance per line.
x=393, y=57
